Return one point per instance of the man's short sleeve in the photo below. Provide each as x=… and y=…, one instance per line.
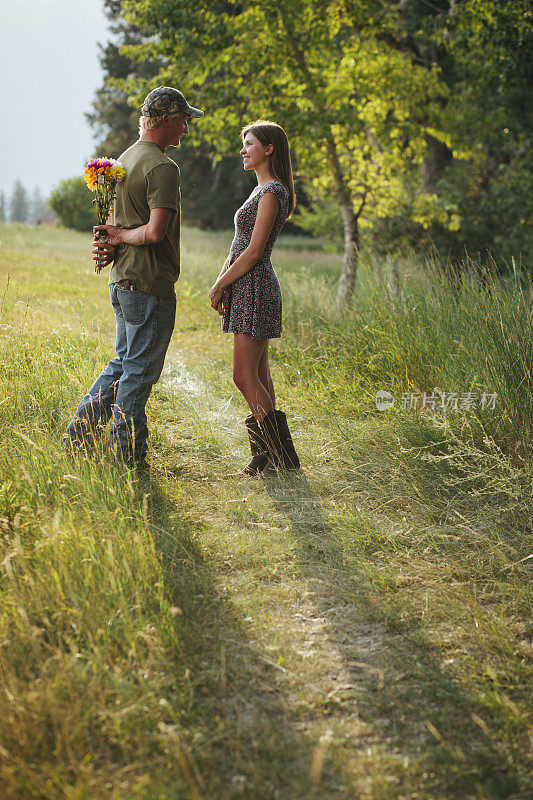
x=162, y=187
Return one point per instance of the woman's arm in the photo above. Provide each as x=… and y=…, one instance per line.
x=267, y=211
x=224, y=268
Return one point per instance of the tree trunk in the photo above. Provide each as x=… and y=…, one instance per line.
x=437, y=158
x=344, y=199
x=393, y=278
x=351, y=257
x=351, y=231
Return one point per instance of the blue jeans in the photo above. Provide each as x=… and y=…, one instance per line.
x=144, y=328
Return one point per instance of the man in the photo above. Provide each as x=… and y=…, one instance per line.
x=144, y=247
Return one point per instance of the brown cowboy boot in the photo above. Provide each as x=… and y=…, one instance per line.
x=288, y=453
x=257, y=447
x=277, y=437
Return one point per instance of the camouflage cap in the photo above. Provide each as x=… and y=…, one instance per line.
x=166, y=100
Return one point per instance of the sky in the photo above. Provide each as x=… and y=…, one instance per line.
x=49, y=72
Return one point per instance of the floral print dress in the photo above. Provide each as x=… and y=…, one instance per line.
x=252, y=303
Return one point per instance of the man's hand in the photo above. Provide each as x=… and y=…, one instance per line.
x=103, y=253
x=153, y=232
x=113, y=233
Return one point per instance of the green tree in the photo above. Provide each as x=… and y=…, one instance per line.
x=413, y=117
x=324, y=69
x=19, y=204
x=489, y=116
x=72, y=202
x=2, y=206
x=475, y=171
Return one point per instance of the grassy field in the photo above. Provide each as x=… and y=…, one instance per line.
x=361, y=630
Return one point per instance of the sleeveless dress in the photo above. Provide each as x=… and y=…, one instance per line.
x=252, y=303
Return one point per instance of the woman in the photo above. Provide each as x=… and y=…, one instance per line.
x=248, y=296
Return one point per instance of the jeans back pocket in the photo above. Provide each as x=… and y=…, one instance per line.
x=133, y=305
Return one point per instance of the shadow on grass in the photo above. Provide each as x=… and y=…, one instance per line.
x=407, y=697
x=237, y=721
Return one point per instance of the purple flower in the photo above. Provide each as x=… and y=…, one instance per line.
x=94, y=163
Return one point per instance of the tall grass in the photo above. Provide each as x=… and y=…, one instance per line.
x=89, y=641
x=444, y=330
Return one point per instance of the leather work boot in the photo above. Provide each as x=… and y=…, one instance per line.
x=257, y=447
x=276, y=435
x=288, y=453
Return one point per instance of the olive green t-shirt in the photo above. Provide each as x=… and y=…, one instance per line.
x=152, y=180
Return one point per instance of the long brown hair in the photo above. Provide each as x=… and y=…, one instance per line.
x=271, y=133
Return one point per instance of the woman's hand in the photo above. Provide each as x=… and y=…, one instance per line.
x=113, y=233
x=215, y=295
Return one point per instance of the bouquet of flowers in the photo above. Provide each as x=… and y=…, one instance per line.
x=101, y=176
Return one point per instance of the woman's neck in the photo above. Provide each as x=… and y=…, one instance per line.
x=264, y=174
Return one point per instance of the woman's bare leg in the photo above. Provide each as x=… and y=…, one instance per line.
x=264, y=375
x=247, y=353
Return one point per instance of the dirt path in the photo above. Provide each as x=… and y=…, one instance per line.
x=198, y=395
x=277, y=560
x=327, y=681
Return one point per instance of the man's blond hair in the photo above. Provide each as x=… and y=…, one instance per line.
x=149, y=123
